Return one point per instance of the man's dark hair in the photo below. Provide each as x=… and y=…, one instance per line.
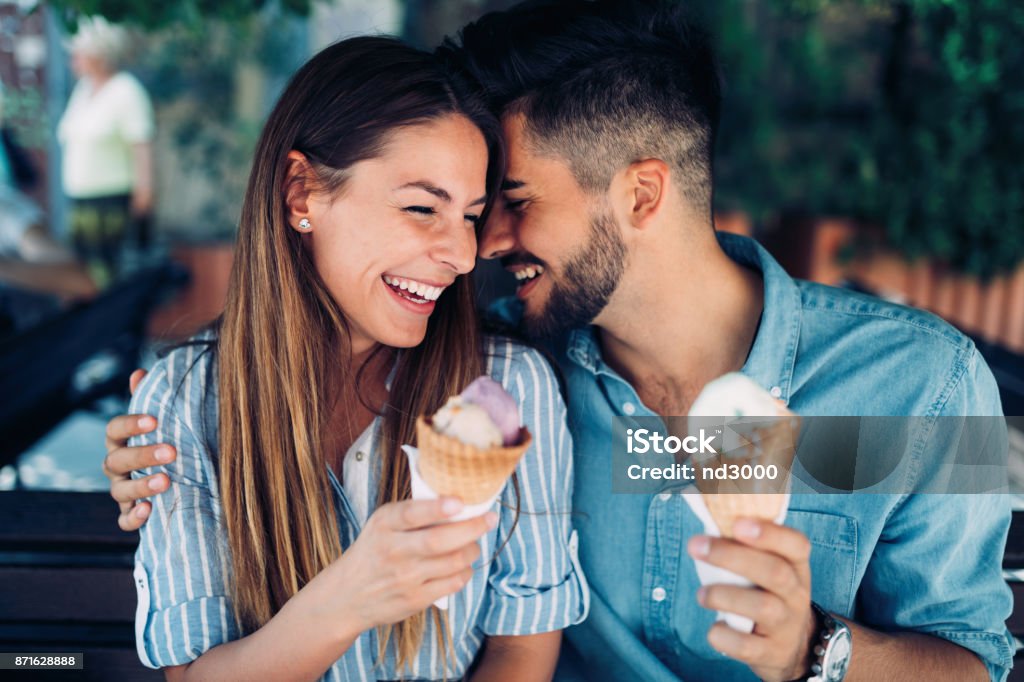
x=602, y=84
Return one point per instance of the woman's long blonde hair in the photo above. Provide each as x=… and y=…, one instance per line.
x=283, y=339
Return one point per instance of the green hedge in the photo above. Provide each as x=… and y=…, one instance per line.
x=900, y=114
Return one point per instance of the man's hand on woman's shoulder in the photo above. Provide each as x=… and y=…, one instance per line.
x=122, y=460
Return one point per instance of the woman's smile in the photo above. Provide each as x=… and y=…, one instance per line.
x=413, y=295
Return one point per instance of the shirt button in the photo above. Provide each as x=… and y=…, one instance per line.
x=628, y=408
x=664, y=497
x=776, y=392
x=359, y=456
x=658, y=594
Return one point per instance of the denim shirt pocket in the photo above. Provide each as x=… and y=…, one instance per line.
x=833, y=557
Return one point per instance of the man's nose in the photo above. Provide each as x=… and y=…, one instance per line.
x=456, y=248
x=497, y=237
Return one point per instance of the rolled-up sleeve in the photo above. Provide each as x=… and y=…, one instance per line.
x=949, y=585
x=937, y=569
x=535, y=583
x=181, y=563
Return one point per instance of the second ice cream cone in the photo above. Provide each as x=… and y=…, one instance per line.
x=725, y=508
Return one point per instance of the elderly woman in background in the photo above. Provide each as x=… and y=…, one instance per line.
x=106, y=134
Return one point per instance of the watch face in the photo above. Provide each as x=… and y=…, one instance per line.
x=837, y=658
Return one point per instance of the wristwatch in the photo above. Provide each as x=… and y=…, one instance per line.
x=832, y=652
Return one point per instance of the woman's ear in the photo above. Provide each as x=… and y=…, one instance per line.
x=298, y=188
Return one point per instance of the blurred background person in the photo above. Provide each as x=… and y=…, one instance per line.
x=30, y=259
x=106, y=137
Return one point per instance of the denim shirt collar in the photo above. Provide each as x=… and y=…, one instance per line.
x=773, y=354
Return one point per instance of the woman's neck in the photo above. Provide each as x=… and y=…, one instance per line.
x=98, y=80
x=358, y=402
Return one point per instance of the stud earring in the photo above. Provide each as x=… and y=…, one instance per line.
x=304, y=225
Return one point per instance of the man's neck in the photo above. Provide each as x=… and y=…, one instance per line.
x=681, y=322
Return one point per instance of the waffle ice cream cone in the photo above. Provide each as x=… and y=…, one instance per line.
x=725, y=508
x=452, y=467
x=771, y=441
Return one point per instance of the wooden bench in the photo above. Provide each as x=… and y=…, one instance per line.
x=66, y=584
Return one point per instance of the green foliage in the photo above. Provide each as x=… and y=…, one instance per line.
x=901, y=114
x=193, y=74
x=150, y=14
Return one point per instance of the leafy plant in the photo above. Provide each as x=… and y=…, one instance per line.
x=900, y=114
x=155, y=15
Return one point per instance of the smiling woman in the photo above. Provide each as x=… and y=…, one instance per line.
x=286, y=546
x=408, y=214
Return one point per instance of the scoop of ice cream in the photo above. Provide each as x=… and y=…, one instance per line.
x=499, y=405
x=741, y=402
x=734, y=395
x=468, y=423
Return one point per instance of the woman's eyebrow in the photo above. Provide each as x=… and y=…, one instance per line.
x=437, y=191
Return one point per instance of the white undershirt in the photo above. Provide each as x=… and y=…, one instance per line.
x=355, y=472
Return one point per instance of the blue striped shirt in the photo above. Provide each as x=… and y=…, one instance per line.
x=182, y=567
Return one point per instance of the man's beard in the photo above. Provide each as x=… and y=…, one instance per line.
x=586, y=284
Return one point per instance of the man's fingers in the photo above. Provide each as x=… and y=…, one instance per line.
x=130, y=490
x=752, y=649
x=122, y=462
x=124, y=426
x=767, y=610
x=760, y=567
x=135, y=379
x=134, y=518
x=449, y=537
x=790, y=544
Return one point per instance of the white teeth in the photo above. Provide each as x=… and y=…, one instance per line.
x=528, y=272
x=424, y=292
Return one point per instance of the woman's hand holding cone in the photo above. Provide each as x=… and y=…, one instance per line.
x=401, y=562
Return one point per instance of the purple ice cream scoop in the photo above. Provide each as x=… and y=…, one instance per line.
x=489, y=395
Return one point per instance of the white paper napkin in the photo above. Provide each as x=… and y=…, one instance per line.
x=713, y=575
x=422, y=491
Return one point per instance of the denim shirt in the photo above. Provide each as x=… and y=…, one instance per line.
x=927, y=563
